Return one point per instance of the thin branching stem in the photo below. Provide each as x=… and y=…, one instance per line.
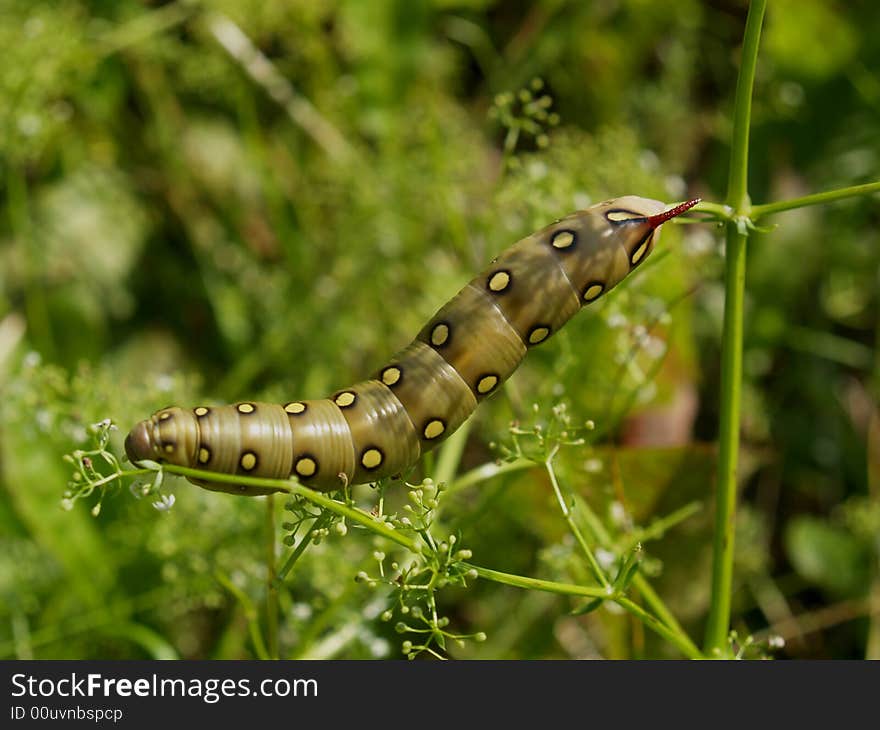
x=488, y=471
x=318, y=523
x=665, y=625
x=271, y=583
x=829, y=196
x=450, y=454
x=250, y=613
x=678, y=639
x=264, y=73
x=548, y=586
x=145, y=26
x=639, y=582
x=596, y=569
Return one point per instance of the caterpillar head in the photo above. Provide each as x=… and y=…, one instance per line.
x=633, y=221
x=168, y=435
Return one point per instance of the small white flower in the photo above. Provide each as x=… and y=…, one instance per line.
x=164, y=503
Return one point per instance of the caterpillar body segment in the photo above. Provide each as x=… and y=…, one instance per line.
x=380, y=427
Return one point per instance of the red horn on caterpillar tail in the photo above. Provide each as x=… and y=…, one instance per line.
x=660, y=218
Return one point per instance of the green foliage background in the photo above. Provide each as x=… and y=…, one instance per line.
x=178, y=226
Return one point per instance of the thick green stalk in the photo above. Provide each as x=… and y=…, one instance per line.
x=718, y=624
x=738, y=173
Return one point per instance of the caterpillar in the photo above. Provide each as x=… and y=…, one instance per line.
x=379, y=427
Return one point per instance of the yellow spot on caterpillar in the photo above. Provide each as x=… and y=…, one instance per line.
x=539, y=334
x=204, y=455
x=201, y=411
x=391, y=375
x=639, y=253
x=306, y=466
x=440, y=334
x=499, y=281
x=169, y=448
x=295, y=407
x=248, y=460
x=619, y=216
x=164, y=416
x=486, y=383
x=371, y=458
x=246, y=408
x=592, y=292
x=563, y=239
x=434, y=429
x=345, y=399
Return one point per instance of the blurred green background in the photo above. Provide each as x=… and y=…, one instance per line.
x=201, y=202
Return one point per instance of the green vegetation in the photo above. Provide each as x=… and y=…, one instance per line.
x=205, y=201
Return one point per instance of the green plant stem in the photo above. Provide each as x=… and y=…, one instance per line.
x=271, y=582
x=685, y=646
x=36, y=307
x=282, y=485
x=250, y=613
x=718, y=623
x=321, y=521
x=737, y=179
x=598, y=573
x=487, y=471
x=656, y=604
x=639, y=582
x=661, y=526
x=673, y=630
x=146, y=25
x=265, y=74
x=548, y=586
x=829, y=196
x=679, y=640
x=829, y=346
x=450, y=454
x=716, y=211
